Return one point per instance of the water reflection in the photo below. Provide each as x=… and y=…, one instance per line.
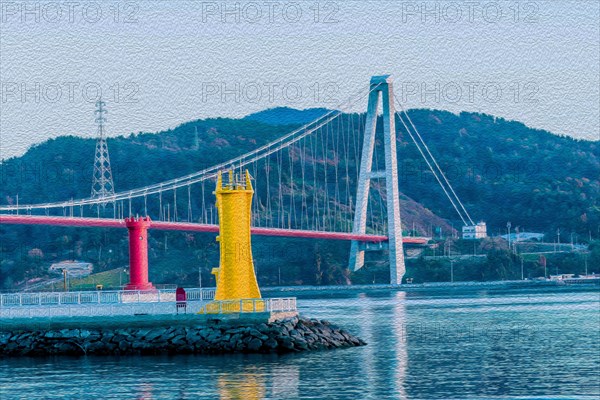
x=285, y=381
x=244, y=386
x=145, y=392
x=367, y=333
x=399, y=329
x=420, y=346
x=384, y=366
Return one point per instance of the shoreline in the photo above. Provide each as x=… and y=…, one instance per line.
x=448, y=286
x=408, y=287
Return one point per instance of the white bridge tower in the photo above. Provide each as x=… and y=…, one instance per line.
x=381, y=88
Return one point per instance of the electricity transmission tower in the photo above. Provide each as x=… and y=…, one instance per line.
x=102, y=185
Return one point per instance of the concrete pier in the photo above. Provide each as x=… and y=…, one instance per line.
x=155, y=322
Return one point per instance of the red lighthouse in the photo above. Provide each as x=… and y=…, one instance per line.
x=138, y=253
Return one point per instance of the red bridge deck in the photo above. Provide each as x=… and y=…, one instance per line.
x=194, y=227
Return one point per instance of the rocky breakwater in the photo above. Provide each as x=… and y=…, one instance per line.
x=289, y=335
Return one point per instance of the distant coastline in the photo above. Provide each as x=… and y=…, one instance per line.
x=449, y=286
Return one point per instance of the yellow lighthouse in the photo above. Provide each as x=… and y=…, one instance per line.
x=235, y=276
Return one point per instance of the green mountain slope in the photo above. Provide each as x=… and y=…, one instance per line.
x=502, y=170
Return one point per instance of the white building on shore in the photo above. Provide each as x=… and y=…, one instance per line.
x=73, y=268
x=472, y=232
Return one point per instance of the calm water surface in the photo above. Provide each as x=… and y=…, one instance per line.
x=525, y=344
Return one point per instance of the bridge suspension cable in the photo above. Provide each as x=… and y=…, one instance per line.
x=309, y=188
x=453, y=199
x=204, y=174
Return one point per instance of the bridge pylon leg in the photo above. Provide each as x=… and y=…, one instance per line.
x=381, y=88
x=138, y=253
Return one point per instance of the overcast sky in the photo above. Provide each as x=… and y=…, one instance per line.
x=162, y=63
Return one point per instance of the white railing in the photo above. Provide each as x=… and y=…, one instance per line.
x=131, y=302
x=101, y=297
x=282, y=304
x=97, y=310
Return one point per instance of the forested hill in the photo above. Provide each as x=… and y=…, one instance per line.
x=502, y=170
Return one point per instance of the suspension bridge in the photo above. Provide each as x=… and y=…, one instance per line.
x=304, y=185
